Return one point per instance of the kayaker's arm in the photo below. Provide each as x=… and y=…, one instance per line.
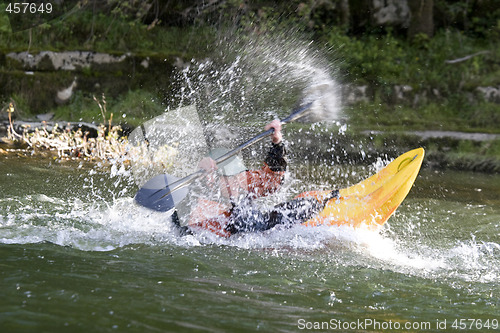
x=259, y=182
x=276, y=159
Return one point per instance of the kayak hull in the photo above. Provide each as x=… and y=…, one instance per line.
x=372, y=201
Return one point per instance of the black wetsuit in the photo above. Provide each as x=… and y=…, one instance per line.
x=245, y=217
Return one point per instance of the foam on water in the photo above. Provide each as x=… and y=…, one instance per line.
x=89, y=226
x=82, y=225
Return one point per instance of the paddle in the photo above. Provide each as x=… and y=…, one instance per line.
x=164, y=192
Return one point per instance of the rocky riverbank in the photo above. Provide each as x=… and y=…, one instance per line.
x=477, y=152
x=45, y=81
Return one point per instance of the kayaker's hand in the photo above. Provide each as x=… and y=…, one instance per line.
x=276, y=137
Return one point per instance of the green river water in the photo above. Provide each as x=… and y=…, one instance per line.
x=77, y=255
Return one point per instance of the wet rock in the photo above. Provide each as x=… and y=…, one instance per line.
x=490, y=94
x=30, y=126
x=44, y=80
x=145, y=63
x=394, y=12
x=45, y=116
x=68, y=61
x=65, y=94
x=402, y=92
x=455, y=135
x=356, y=94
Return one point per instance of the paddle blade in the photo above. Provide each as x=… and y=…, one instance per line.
x=155, y=194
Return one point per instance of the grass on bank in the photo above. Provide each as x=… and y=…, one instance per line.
x=482, y=117
x=133, y=108
x=115, y=35
x=385, y=59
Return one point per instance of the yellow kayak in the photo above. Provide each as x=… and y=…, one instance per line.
x=371, y=202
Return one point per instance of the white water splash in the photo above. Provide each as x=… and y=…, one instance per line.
x=88, y=226
x=85, y=226
x=242, y=82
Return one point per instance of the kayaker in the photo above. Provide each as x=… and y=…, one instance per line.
x=231, y=180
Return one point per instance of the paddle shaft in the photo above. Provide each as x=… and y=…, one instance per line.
x=188, y=179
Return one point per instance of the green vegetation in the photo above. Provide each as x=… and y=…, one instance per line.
x=442, y=95
x=133, y=108
x=446, y=115
x=108, y=31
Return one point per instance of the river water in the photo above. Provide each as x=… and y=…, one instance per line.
x=77, y=255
